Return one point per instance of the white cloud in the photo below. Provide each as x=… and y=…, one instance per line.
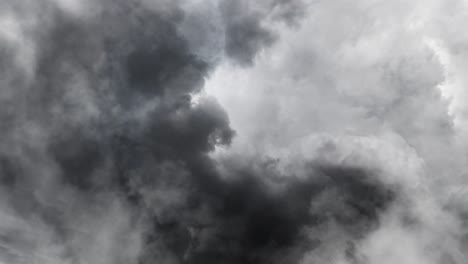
x=383, y=83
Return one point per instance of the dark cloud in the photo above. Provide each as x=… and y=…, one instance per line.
x=245, y=37
x=113, y=117
x=253, y=221
x=257, y=217
x=246, y=33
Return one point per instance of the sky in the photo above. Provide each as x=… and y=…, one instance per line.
x=233, y=132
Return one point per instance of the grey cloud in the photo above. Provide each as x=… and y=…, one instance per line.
x=373, y=84
x=223, y=132
x=85, y=166
x=246, y=32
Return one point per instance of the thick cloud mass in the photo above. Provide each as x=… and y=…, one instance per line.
x=219, y=131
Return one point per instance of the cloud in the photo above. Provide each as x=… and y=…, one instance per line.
x=360, y=84
x=231, y=132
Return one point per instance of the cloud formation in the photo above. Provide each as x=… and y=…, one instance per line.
x=217, y=131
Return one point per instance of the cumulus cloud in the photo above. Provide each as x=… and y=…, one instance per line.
x=372, y=84
x=216, y=131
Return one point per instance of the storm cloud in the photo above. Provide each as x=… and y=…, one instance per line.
x=156, y=131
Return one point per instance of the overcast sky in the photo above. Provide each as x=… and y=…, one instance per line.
x=233, y=131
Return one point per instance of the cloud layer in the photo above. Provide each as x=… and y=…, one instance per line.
x=203, y=131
